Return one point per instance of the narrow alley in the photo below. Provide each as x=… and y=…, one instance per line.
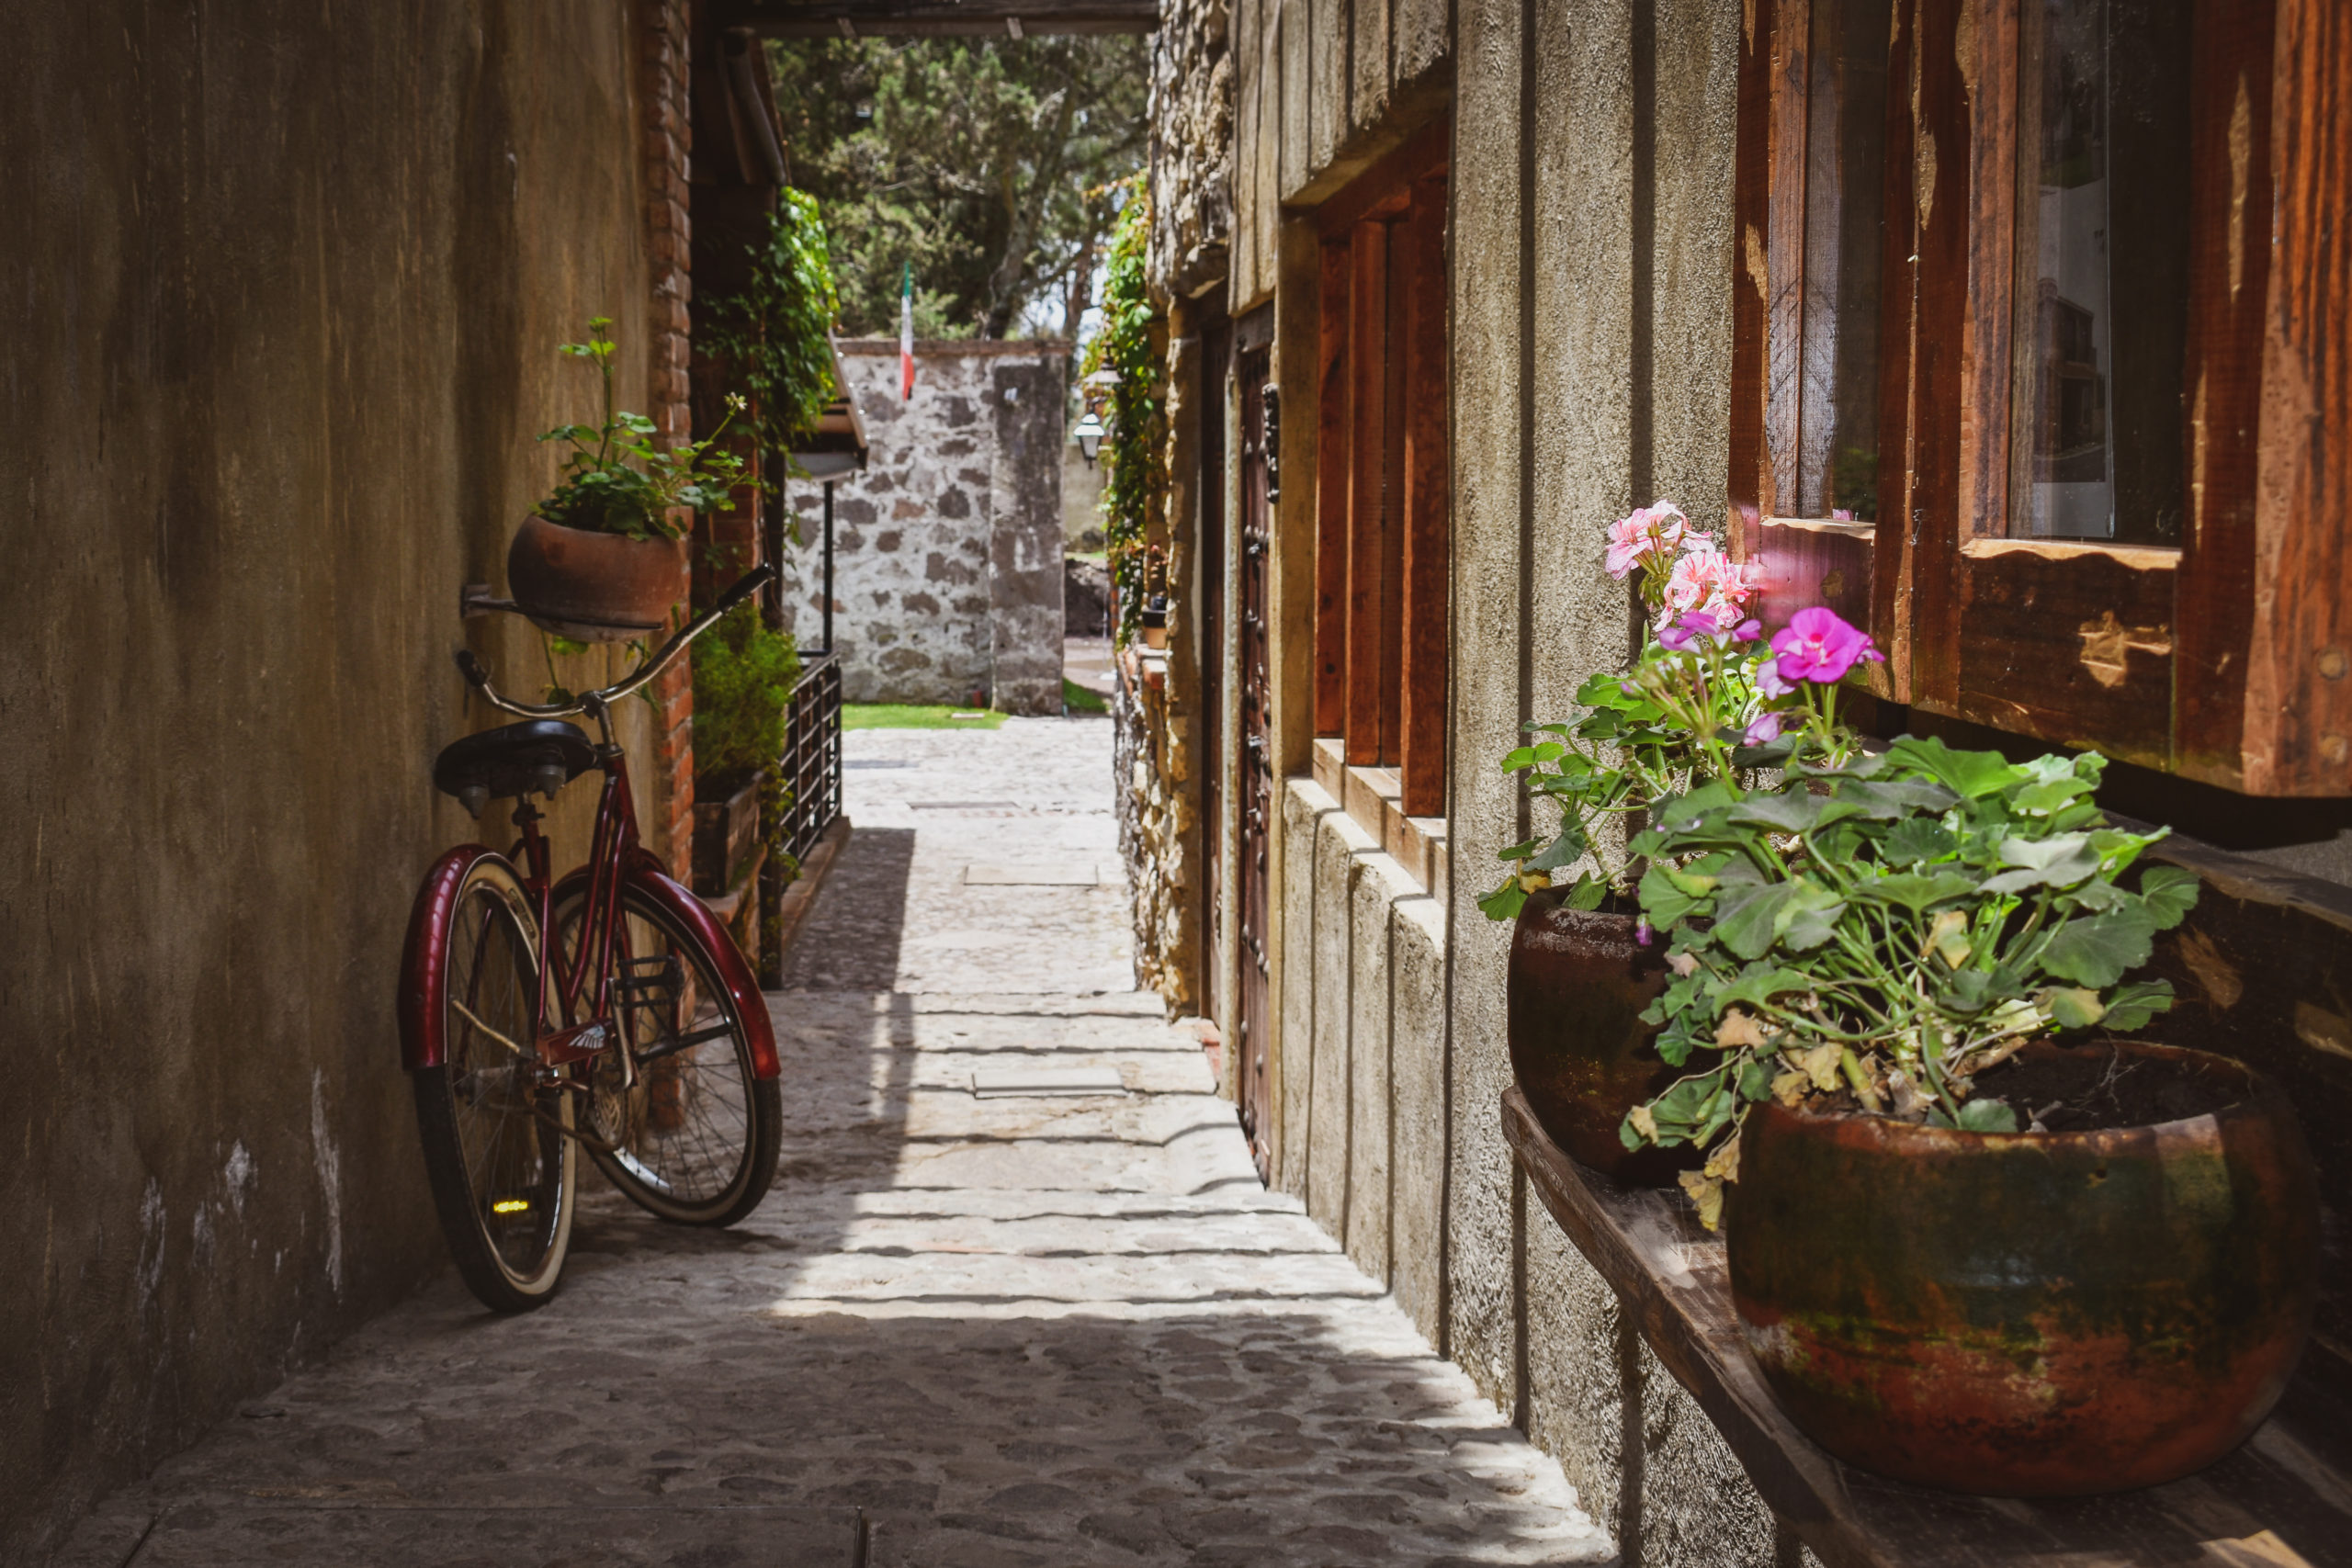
x=969, y=1328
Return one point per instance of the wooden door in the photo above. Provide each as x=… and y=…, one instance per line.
x=1255, y=776
x=1216, y=361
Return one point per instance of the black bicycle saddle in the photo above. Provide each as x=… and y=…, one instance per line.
x=515, y=758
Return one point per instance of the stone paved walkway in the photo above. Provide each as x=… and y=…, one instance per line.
x=1011, y=1331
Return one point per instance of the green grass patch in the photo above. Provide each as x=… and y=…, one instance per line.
x=913, y=715
x=1078, y=699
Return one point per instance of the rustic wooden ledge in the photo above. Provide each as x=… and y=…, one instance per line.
x=2282, y=1500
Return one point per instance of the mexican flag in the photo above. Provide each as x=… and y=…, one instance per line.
x=907, y=333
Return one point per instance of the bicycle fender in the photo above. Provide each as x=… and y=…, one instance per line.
x=421, y=967
x=646, y=875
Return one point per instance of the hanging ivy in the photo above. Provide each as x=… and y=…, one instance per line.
x=1132, y=345
x=774, y=333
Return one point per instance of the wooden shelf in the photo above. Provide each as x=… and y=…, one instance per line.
x=2284, y=1500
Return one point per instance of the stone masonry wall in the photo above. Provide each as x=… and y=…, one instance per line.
x=947, y=551
x=1192, y=146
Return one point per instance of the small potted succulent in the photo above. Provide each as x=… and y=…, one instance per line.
x=604, y=558
x=1974, y=1241
x=1582, y=969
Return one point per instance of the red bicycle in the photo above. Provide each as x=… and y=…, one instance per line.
x=605, y=1009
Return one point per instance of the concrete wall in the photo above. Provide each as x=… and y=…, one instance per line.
x=282, y=306
x=947, y=554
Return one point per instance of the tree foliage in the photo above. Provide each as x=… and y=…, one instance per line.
x=1133, y=345
x=987, y=165
x=774, y=333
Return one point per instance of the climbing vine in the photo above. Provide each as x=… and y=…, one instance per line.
x=1133, y=345
x=776, y=332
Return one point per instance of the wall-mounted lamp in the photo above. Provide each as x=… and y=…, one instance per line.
x=1088, y=433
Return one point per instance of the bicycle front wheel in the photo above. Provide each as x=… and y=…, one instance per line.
x=694, y=1139
x=494, y=1121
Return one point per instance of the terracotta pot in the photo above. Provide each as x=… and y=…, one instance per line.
x=1578, y=982
x=2029, y=1315
x=595, y=587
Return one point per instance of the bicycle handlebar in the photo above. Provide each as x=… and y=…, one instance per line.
x=751, y=582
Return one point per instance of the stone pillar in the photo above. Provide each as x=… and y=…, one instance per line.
x=1025, y=536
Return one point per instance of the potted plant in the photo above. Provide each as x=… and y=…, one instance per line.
x=1975, y=1242
x=604, y=558
x=1582, y=968
x=744, y=674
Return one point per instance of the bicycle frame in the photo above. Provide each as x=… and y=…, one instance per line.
x=572, y=1022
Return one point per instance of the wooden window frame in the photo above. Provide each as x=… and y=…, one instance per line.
x=2227, y=660
x=1383, y=482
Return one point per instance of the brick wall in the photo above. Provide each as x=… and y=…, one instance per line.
x=664, y=42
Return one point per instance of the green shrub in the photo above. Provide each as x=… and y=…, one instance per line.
x=744, y=679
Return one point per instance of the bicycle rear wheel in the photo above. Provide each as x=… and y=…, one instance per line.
x=494, y=1121
x=694, y=1139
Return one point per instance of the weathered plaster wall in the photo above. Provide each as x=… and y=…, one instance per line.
x=947, y=551
x=282, y=306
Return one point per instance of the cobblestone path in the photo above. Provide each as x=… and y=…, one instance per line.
x=1012, y=1331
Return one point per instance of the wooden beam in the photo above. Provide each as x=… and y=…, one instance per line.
x=1427, y=552
x=1367, y=385
x=919, y=18
x=1331, y=447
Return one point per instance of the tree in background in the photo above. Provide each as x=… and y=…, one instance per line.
x=989, y=164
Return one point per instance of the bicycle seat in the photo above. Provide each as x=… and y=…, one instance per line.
x=513, y=760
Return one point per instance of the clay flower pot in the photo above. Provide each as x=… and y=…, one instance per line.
x=2029, y=1315
x=1578, y=985
x=595, y=587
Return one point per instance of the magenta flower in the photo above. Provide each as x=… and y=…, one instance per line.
x=1765, y=727
x=1819, y=646
x=1748, y=631
x=1643, y=934
x=1770, y=681
x=1687, y=632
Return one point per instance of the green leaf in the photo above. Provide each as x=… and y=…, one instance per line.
x=1663, y=903
x=2058, y=861
x=1685, y=810
x=1968, y=774
x=1813, y=917
x=1749, y=919
x=1918, y=839
x=1892, y=800
x=2046, y=795
x=1505, y=902
x=1565, y=850
x=1754, y=986
x=1793, y=811
x=1916, y=891
x=2131, y=1005
x=2096, y=950
x=2072, y=1006
x=1520, y=850
x=1987, y=1116
x=2170, y=892
x=1588, y=892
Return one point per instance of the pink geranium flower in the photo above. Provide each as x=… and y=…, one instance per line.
x=1764, y=728
x=1770, y=681
x=1817, y=645
x=1651, y=530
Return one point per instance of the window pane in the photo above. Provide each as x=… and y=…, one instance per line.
x=1844, y=241
x=2102, y=270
